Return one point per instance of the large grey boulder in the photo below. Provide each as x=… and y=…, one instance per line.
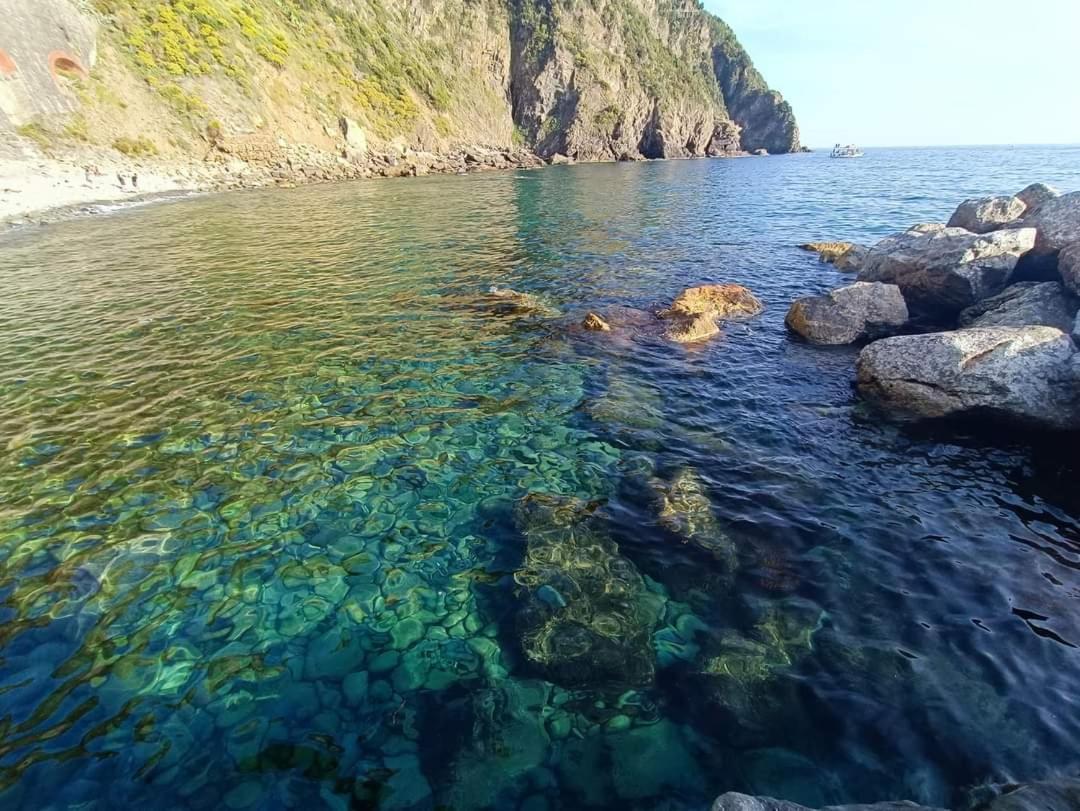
x=858, y=312
x=1025, y=304
x=942, y=270
x=733, y=801
x=1056, y=222
x=985, y=214
x=1036, y=194
x=1069, y=266
x=1061, y=794
x=1026, y=375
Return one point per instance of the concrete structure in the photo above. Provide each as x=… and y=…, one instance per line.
x=45, y=46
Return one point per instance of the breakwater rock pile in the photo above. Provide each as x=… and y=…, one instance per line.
x=976, y=317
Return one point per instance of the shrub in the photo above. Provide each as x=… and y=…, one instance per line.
x=135, y=147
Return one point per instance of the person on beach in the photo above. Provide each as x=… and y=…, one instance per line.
x=122, y=179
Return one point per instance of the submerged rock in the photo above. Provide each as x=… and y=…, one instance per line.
x=1056, y=223
x=1026, y=375
x=686, y=511
x=586, y=616
x=985, y=214
x=942, y=270
x=1025, y=304
x=1035, y=195
x=594, y=322
x=693, y=314
x=508, y=301
x=858, y=312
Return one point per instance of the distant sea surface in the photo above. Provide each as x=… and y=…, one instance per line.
x=294, y=514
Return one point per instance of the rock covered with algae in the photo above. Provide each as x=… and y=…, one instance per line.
x=686, y=511
x=586, y=615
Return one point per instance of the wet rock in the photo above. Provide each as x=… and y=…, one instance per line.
x=686, y=511
x=504, y=300
x=594, y=322
x=831, y=252
x=1035, y=195
x=693, y=314
x=1025, y=375
x=985, y=214
x=733, y=801
x=1076, y=329
x=940, y=270
x=716, y=300
x=691, y=329
x=586, y=615
x=852, y=261
x=1025, y=304
x=1069, y=266
x=858, y=312
x=1056, y=223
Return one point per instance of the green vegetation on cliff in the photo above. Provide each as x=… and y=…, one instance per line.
x=593, y=78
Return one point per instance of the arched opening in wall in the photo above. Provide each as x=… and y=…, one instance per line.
x=63, y=65
x=7, y=65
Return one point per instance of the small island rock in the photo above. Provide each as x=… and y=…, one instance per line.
x=1057, y=223
x=717, y=300
x=1025, y=304
x=595, y=322
x=1036, y=194
x=846, y=256
x=858, y=312
x=1025, y=375
x=982, y=215
x=692, y=315
x=942, y=270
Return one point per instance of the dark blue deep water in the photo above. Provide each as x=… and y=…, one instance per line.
x=293, y=515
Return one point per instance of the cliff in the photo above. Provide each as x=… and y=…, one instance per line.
x=590, y=79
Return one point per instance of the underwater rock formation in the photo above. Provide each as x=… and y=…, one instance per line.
x=586, y=615
x=686, y=511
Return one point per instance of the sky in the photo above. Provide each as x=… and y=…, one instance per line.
x=918, y=72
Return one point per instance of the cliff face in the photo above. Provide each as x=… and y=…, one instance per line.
x=592, y=79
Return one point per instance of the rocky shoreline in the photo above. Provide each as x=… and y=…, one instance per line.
x=35, y=189
x=979, y=317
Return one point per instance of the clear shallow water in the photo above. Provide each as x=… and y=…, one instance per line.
x=265, y=540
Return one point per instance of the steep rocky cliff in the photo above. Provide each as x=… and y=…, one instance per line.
x=591, y=79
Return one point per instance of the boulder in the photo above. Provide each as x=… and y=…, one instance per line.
x=559, y=160
x=986, y=214
x=691, y=329
x=692, y=316
x=1025, y=304
x=1056, y=222
x=1069, y=266
x=1036, y=194
x=858, y=312
x=1026, y=375
x=1076, y=329
x=355, y=138
x=1059, y=794
x=717, y=300
x=942, y=270
x=594, y=322
x=852, y=260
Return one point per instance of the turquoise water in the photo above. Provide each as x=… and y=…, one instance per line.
x=293, y=514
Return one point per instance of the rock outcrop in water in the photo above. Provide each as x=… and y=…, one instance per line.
x=694, y=313
x=1013, y=356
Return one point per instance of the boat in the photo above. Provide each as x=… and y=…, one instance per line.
x=849, y=151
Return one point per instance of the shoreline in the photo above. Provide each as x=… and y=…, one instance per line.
x=41, y=189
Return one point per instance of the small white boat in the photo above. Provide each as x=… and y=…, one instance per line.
x=849, y=151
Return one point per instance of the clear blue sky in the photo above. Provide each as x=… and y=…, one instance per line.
x=919, y=72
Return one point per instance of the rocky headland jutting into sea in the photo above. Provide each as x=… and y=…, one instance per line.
x=975, y=317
